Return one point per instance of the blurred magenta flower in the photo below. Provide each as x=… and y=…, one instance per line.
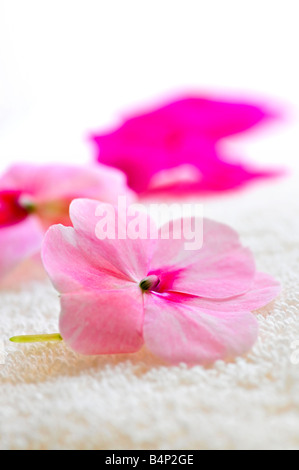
x=190, y=306
x=33, y=197
x=175, y=148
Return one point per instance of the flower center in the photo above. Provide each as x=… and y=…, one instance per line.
x=149, y=283
x=12, y=208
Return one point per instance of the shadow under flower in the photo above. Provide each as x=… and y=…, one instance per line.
x=36, y=363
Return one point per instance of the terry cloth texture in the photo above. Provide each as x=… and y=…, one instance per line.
x=52, y=398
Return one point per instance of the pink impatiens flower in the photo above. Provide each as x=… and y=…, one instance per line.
x=175, y=148
x=184, y=305
x=33, y=197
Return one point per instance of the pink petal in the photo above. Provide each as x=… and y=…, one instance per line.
x=220, y=269
x=103, y=322
x=221, y=276
x=217, y=239
x=183, y=332
x=264, y=289
x=70, y=269
x=221, y=176
x=129, y=256
x=59, y=182
x=213, y=118
x=19, y=242
x=161, y=149
x=139, y=161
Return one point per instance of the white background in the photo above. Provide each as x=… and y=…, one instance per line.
x=68, y=67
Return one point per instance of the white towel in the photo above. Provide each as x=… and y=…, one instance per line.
x=52, y=398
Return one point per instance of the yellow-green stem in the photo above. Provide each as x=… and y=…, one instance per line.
x=36, y=338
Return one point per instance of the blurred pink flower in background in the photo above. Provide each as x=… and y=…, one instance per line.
x=186, y=306
x=174, y=148
x=33, y=197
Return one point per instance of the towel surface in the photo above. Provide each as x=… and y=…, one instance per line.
x=52, y=398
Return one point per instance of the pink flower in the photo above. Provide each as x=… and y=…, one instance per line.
x=175, y=147
x=185, y=305
x=33, y=197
